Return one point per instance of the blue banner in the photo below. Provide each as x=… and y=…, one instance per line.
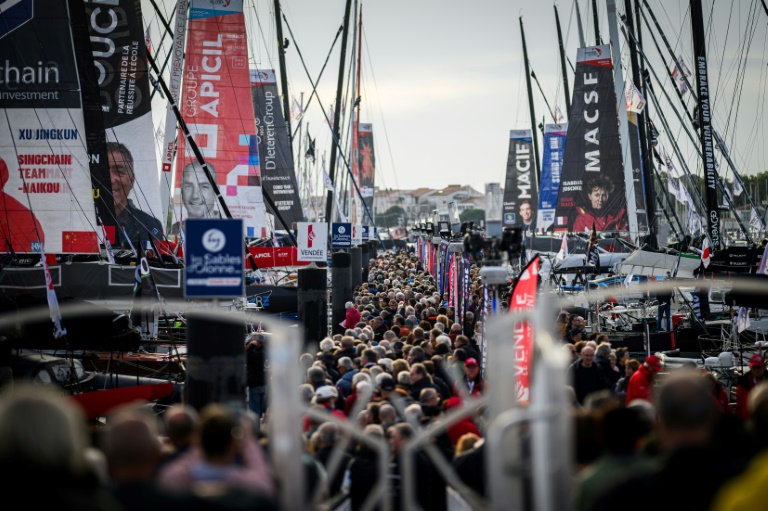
x=551, y=166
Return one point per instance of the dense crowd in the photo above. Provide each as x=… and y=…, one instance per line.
x=400, y=365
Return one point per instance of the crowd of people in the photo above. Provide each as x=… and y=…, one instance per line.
x=400, y=365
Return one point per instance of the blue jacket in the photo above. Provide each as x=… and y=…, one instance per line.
x=345, y=383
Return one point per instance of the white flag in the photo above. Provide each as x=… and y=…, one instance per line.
x=737, y=189
x=563, y=252
x=687, y=196
x=763, y=261
x=327, y=180
x=742, y=319
x=628, y=280
x=558, y=115
x=53, y=302
x=674, y=189
x=727, y=189
x=679, y=72
x=296, y=111
x=633, y=97
x=671, y=169
x=755, y=221
x=331, y=115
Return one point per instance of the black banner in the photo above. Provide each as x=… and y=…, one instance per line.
x=637, y=171
x=277, y=176
x=366, y=164
x=520, y=190
x=705, y=122
x=592, y=186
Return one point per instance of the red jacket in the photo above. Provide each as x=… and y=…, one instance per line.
x=617, y=222
x=743, y=388
x=352, y=318
x=640, y=385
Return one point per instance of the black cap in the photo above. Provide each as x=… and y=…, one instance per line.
x=387, y=383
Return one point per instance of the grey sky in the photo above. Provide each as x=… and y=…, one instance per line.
x=443, y=81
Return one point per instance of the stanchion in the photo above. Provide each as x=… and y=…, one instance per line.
x=341, y=290
x=313, y=304
x=356, y=266
x=215, y=361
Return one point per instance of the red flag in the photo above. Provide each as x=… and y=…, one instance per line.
x=523, y=299
x=80, y=241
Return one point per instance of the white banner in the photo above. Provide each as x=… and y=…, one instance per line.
x=357, y=235
x=312, y=241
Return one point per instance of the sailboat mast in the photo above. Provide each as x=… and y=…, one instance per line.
x=580, y=25
x=337, y=110
x=705, y=122
x=618, y=84
x=283, y=75
x=645, y=157
x=358, y=40
x=596, y=21
x=530, y=106
x=566, y=90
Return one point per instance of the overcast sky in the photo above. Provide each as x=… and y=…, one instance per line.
x=443, y=80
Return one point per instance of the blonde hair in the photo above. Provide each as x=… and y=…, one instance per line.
x=466, y=442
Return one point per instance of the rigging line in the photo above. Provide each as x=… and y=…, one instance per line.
x=320, y=75
x=162, y=38
x=533, y=75
x=267, y=45
x=383, y=121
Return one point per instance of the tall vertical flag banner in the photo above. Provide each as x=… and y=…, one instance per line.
x=44, y=172
x=520, y=187
x=592, y=183
x=563, y=252
x=276, y=160
x=168, y=150
x=637, y=171
x=53, y=302
x=217, y=106
x=523, y=299
x=119, y=54
x=366, y=163
x=551, y=168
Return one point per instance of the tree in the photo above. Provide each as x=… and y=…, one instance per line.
x=472, y=215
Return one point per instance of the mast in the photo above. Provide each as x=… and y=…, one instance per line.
x=645, y=157
x=530, y=105
x=618, y=84
x=705, y=123
x=562, y=63
x=283, y=75
x=580, y=25
x=596, y=21
x=337, y=110
x=357, y=41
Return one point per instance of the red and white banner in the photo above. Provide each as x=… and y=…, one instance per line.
x=217, y=106
x=312, y=241
x=272, y=257
x=524, y=299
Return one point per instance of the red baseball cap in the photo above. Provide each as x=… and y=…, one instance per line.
x=756, y=360
x=654, y=362
x=470, y=362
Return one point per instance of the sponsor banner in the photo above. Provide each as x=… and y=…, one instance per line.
x=217, y=106
x=44, y=172
x=520, y=194
x=168, y=150
x=341, y=235
x=215, y=259
x=524, y=298
x=119, y=54
x=271, y=257
x=277, y=176
x=357, y=234
x=312, y=241
x=551, y=168
x=367, y=233
x=637, y=171
x=592, y=182
x=366, y=163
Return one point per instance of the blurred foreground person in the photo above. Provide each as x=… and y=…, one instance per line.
x=43, y=445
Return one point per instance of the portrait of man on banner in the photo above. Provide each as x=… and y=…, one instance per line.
x=197, y=194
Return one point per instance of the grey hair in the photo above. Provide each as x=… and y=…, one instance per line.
x=349, y=305
x=326, y=344
x=346, y=363
x=444, y=339
x=603, y=350
x=316, y=374
x=414, y=413
x=358, y=377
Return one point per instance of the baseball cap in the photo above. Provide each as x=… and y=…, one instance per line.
x=387, y=383
x=576, y=331
x=324, y=393
x=654, y=362
x=756, y=360
x=471, y=361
